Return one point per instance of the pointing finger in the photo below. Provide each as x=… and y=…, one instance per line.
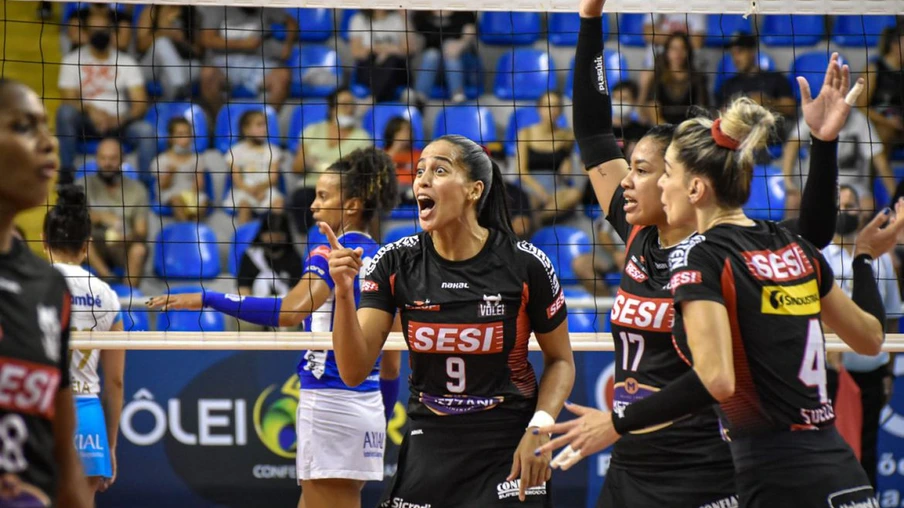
x=330, y=236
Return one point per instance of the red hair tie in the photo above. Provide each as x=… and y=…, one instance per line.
x=722, y=139
x=486, y=151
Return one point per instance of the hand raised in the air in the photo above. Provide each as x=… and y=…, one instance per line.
x=582, y=437
x=345, y=264
x=591, y=8
x=828, y=112
x=881, y=234
x=187, y=301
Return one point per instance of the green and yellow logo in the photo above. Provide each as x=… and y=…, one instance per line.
x=274, y=417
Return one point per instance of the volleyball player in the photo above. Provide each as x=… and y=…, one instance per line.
x=95, y=307
x=469, y=294
x=340, y=427
x=38, y=464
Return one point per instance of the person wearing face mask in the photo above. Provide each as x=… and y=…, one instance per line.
x=119, y=232
x=270, y=266
x=321, y=145
x=397, y=138
x=871, y=373
x=181, y=173
x=254, y=164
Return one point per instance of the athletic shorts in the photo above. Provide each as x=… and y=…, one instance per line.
x=685, y=489
x=341, y=434
x=455, y=465
x=802, y=469
x=91, y=437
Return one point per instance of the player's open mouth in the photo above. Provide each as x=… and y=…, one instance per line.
x=630, y=205
x=425, y=205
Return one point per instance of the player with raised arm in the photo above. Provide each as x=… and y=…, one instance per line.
x=341, y=427
x=469, y=294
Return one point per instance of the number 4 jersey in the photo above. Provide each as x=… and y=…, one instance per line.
x=467, y=323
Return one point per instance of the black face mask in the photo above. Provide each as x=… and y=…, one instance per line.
x=276, y=250
x=100, y=40
x=846, y=223
x=110, y=177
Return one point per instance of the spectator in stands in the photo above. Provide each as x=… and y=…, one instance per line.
x=675, y=84
x=79, y=29
x=321, y=145
x=544, y=161
x=103, y=96
x=607, y=258
x=873, y=374
x=398, y=138
x=446, y=37
x=381, y=45
x=885, y=89
x=168, y=45
x=119, y=217
x=181, y=173
x=660, y=27
x=270, y=265
x=857, y=149
x=254, y=167
x=241, y=51
x=523, y=224
x=627, y=122
x=769, y=89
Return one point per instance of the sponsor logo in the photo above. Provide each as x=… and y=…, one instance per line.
x=87, y=300
x=27, y=387
x=274, y=417
x=315, y=362
x=369, y=286
x=652, y=314
x=544, y=260
x=454, y=285
x=857, y=497
x=678, y=256
x=820, y=415
x=417, y=432
x=374, y=444
x=90, y=445
x=509, y=489
x=424, y=305
x=398, y=502
x=477, y=339
x=727, y=502
x=458, y=404
x=634, y=272
x=799, y=300
x=786, y=264
x=684, y=277
x=556, y=305
x=492, y=306
x=321, y=250
x=49, y=323
x=10, y=286
x=408, y=241
x=599, y=69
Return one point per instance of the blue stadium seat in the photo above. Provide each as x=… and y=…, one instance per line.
x=167, y=211
x=563, y=244
x=474, y=122
x=860, y=31
x=375, y=119
x=509, y=28
x=563, y=28
x=314, y=25
x=345, y=21
x=304, y=115
x=320, y=60
x=161, y=113
x=630, y=29
x=397, y=233
x=726, y=69
x=403, y=212
x=521, y=119
x=583, y=321
x=812, y=67
x=90, y=167
x=474, y=78
x=793, y=30
x=190, y=320
x=242, y=239
x=134, y=313
x=616, y=71
x=186, y=250
x=70, y=9
x=767, y=194
x=226, y=132
x=523, y=75
x=721, y=27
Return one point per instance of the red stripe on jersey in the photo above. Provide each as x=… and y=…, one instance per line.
x=322, y=251
x=783, y=265
x=631, y=235
x=392, y=284
x=649, y=314
x=469, y=339
x=28, y=387
x=522, y=376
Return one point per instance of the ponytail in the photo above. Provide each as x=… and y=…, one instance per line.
x=494, y=211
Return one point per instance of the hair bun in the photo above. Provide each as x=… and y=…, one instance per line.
x=71, y=196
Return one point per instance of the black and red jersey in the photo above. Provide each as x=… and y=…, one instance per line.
x=34, y=342
x=771, y=283
x=467, y=323
x=646, y=359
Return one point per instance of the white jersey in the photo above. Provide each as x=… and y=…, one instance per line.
x=95, y=307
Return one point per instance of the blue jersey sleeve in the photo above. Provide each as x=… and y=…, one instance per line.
x=318, y=264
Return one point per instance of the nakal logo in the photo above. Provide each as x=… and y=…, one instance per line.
x=274, y=417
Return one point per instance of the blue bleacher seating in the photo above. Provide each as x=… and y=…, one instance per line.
x=563, y=28
x=562, y=244
x=134, y=312
x=314, y=25
x=90, y=167
x=616, y=71
x=302, y=116
x=792, y=30
x=398, y=232
x=187, y=251
x=226, y=131
x=721, y=27
x=161, y=113
x=509, y=28
x=812, y=67
x=521, y=119
x=321, y=60
x=242, y=239
x=344, y=22
x=471, y=121
x=375, y=119
x=767, y=194
x=860, y=31
x=726, y=69
x=523, y=75
x=583, y=321
x=474, y=79
x=630, y=29
x=403, y=212
x=190, y=320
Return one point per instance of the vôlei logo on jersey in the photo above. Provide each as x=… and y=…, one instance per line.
x=652, y=314
x=786, y=264
x=27, y=387
x=476, y=339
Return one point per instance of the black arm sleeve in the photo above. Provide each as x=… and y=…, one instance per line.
x=818, y=204
x=685, y=395
x=866, y=291
x=592, y=116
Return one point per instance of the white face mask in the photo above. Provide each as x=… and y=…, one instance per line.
x=622, y=112
x=346, y=121
x=182, y=150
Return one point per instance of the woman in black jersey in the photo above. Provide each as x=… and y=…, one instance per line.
x=748, y=299
x=38, y=463
x=469, y=294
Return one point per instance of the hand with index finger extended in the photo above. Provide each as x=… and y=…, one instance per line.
x=345, y=263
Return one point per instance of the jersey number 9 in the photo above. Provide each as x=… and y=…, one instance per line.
x=455, y=369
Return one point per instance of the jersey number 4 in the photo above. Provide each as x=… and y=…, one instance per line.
x=813, y=368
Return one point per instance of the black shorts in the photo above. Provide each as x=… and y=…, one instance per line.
x=460, y=466
x=686, y=489
x=803, y=469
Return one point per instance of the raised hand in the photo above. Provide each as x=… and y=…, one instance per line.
x=187, y=301
x=827, y=114
x=345, y=264
x=591, y=8
x=881, y=234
